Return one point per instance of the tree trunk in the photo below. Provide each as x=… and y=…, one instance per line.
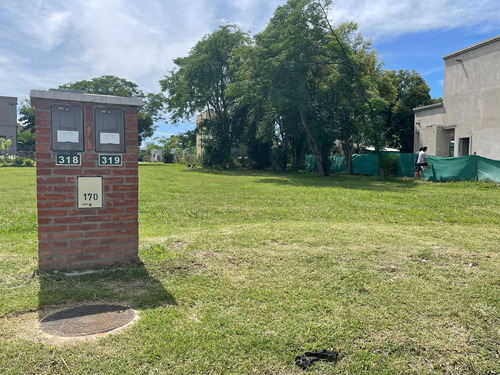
x=312, y=145
x=348, y=151
x=381, y=170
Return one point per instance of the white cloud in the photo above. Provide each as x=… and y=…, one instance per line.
x=390, y=18
x=47, y=43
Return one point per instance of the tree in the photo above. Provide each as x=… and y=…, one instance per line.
x=106, y=85
x=27, y=118
x=5, y=145
x=290, y=53
x=182, y=145
x=200, y=81
x=187, y=141
x=25, y=143
x=361, y=73
x=411, y=92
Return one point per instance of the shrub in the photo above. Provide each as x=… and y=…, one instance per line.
x=18, y=161
x=389, y=163
x=167, y=156
x=28, y=162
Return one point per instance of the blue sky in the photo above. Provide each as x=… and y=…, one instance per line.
x=46, y=43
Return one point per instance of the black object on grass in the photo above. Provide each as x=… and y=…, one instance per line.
x=305, y=361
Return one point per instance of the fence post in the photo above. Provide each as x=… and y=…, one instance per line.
x=475, y=167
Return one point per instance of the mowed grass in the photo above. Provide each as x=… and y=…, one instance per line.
x=243, y=271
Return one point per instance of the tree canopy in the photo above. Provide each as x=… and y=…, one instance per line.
x=200, y=82
x=411, y=91
x=301, y=85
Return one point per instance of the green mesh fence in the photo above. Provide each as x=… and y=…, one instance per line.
x=365, y=164
x=337, y=163
x=310, y=163
x=450, y=169
x=469, y=167
x=406, y=166
x=488, y=170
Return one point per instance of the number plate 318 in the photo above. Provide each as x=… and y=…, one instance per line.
x=68, y=159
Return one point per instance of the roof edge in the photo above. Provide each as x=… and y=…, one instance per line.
x=84, y=97
x=427, y=107
x=473, y=47
x=8, y=98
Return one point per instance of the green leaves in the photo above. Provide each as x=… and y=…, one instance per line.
x=106, y=85
x=201, y=81
x=411, y=92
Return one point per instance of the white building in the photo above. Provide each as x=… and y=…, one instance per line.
x=468, y=119
x=156, y=155
x=8, y=121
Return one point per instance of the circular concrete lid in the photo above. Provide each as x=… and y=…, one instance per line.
x=87, y=320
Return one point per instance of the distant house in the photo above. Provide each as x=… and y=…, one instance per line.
x=156, y=155
x=468, y=119
x=201, y=135
x=8, y=121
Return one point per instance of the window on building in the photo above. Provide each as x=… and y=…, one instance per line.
x=452, y=144
x=463, y=146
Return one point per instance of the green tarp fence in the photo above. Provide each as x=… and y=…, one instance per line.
x=406, y=166
x=469, y=167
x=365, y=164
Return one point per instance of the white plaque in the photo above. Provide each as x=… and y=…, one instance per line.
x=67, y=136
x=110, y=138
x=89, y=192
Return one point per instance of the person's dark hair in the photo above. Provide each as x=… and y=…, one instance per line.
x=420, y=149
x=424, y=149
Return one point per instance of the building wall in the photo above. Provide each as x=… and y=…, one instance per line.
x=471, y=103
x=8, y=121
x=156, y=155
x=429, y=129
x=205, y=115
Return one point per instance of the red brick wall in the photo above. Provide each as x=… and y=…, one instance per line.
x=72, y=238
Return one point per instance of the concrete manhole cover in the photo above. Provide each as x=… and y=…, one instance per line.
x=87, y=320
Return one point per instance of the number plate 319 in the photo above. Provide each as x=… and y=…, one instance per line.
x=110, y=159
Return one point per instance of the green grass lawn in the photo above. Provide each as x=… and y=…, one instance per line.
x=243, y=271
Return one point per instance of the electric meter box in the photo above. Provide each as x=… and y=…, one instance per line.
x=110, y=130
x=87, y=179
x=67, y=128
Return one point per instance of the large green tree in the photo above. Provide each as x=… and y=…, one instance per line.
x=320, y=79
x=290, y=57
x=359, y=112
x=302, y=84
x=411, y=92
x=200, y=82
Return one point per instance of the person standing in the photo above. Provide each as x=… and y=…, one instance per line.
x=418, y=170
x=422, y=161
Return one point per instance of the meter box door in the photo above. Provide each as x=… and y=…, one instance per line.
x=110, y=130
x=67, y=128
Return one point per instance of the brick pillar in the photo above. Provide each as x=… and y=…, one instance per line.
x=74, y=238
